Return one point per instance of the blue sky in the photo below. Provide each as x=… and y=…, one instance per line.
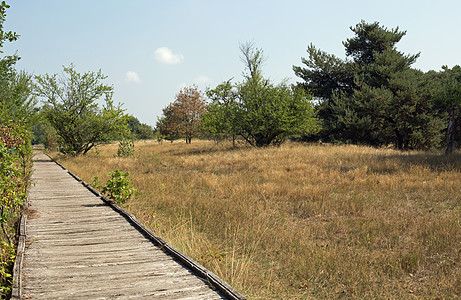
x=150, y=49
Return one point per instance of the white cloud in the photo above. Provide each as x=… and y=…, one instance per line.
x=202, y=79
x=165, y=55
x=131, y=76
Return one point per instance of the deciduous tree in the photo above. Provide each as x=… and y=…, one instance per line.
x=16, y=99
x=256, y=109
x=70, y=105
x=182, y=117
x=219, y=120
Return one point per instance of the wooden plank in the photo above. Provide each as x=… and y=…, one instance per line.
x=79, y=247
x=18, y=263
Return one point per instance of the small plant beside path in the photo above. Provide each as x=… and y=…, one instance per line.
x=118, y=188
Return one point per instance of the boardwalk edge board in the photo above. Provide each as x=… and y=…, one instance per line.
x=194, y=266
x=16, y=288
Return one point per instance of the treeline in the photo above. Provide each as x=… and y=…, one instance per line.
x=373, y=97
x=256, y=110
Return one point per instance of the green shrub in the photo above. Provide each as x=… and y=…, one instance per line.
x=118, y=188
x=15, y=153
x=125, y=148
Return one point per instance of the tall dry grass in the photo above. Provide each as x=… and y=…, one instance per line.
x=302, y=221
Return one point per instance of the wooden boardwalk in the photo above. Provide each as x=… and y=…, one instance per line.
x=78, y=247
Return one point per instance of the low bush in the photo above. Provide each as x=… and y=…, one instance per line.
x=15, y=166
x=118, y=188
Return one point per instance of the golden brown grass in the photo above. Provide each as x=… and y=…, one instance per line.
x=302, y=221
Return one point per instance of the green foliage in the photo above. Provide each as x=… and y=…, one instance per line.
x=182, y=117
x=44, y=133
x=257, y=110
x=118, y=188
x=371, y=40
x=158, y=137
x=448, y=100
x=219, y=121
x=138, y=130
x=15, y=152
x=268, y=114
x=17, y=102
x=5, y=36
x=70, y=106
x=7, y=258
x=17, y=111
x=374, y=97
x=15, y=166
x=324, y=74
x=125, y=148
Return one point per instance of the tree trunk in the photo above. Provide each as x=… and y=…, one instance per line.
x=399, y=139
x=451, y=129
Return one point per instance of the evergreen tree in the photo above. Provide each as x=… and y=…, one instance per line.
x=381, y=100
x=449, y=101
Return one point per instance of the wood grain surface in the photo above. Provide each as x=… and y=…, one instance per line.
x=78, y=247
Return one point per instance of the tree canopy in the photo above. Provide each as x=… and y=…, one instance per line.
x=259, y=111
x=71, y=107
x=17, y=103
x=139, y=130
x=374, y=96
x=182, y=117
x=448, y=100
x=17, y=112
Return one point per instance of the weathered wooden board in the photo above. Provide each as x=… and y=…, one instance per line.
x=78, y=247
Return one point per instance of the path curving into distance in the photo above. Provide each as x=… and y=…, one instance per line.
x=78, y=247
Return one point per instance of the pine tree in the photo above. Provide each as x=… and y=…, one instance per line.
x=380, y=99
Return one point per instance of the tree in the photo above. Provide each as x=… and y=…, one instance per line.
x=257, y=110
x=324, y=74
x=219, y=120
x=166, y=124
x=182, y=117
x=70, y=105
x=17, y=101
x=5, y=35
x=374, y=96
x=449, y=99
x=139, y=130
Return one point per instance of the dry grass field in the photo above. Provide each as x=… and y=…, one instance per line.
x=301, y=221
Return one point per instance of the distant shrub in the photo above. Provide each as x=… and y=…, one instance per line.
x=125, y=148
